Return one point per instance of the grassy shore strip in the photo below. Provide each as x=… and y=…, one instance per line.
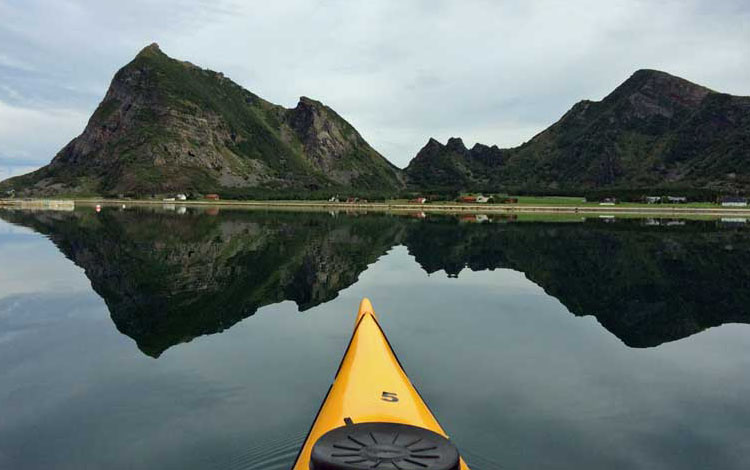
x=452, y=207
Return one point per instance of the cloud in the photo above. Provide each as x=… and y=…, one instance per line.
x=32, y=136
x=401, y=72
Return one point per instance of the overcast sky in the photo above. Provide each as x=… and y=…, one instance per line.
x=401, y=71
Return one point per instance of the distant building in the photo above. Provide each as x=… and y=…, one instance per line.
x=212, y=197
x=419, y=200
x=677, y=199
x=734, y=202
x=734, y=220
x=608, y=201
x=334, y=199
x=652, y=199
x=474, y=199
x=181, y=197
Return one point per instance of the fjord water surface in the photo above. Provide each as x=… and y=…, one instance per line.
x=192, y=338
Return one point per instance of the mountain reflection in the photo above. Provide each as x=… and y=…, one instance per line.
x=168, y=277
x=646, y=283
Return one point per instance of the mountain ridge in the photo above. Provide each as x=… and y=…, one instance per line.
x=166, y=125
x=654, y=130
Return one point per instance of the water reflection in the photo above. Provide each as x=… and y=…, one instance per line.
x=646, y=281
x=168, y=278
x=169, y=275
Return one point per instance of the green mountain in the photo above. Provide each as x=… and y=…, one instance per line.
x=654, y=131
x=168, y=126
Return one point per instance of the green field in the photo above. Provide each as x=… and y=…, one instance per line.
x=579, y=201
x=573, y=201
x=551, y=200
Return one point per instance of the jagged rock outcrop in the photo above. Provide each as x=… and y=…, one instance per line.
x=452, y=165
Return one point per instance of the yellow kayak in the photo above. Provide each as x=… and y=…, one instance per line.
x=373, y=417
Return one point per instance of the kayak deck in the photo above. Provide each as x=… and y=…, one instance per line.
x=370, y=386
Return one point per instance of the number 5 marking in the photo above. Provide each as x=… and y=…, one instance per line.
x=389, y=396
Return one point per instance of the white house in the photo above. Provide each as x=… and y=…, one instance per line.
x=734, y=202
x=482, y=199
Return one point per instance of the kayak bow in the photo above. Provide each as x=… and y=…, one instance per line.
x=372, y=416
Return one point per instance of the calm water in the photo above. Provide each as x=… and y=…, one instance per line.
x=178, y=339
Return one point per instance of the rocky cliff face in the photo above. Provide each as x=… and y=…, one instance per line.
x=166, y=125
x=653, y=131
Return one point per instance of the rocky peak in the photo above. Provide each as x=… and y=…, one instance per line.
x=334, y=146
x=432, y=148
x=151, y=49
x=655, y=92
x=307, y=118
x=305, y=102
x=455, y=144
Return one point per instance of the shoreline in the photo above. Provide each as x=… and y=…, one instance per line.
x=408, y=207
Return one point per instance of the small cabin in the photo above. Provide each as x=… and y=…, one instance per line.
x=181, y=197
x=676, y=199
x=467, y=199
x=482, y=199
x=652, y=199
x=211, y=197
x=608, y=201
x=508, y=200
x=734, y=202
